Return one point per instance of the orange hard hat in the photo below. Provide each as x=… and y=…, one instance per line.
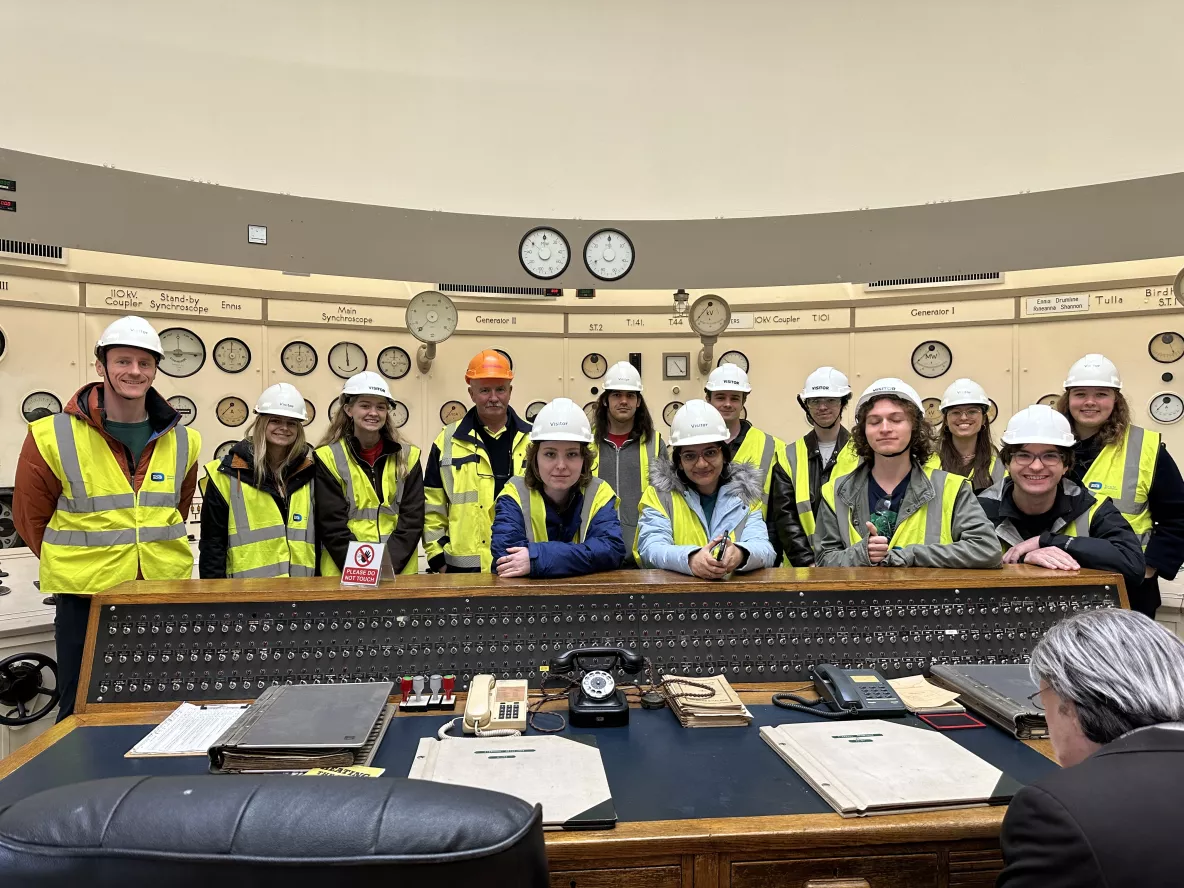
x=489, y=364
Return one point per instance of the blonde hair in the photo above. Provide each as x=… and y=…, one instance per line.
x=258, y=435
x=343, y=424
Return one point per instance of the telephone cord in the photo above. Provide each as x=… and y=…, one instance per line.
x=800, y=704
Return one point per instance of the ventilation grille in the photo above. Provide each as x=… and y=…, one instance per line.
x=499, y=291
x=941, y=280
x=30, y=252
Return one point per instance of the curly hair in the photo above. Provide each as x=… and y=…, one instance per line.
x=531, y=474
x=1112, y=429
x=643, y=423
x=984, y=449
x=921, y=445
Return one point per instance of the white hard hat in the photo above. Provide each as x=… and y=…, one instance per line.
x=133, y=331
x=826, y=382
x=697, y=422
x=728, y=378
x=1096, y=370
x=890, y=386
x=1039, y=424
x=622, y=377
x=282, y=399
x=965, y=391
x=562, y=420
x=367, y=383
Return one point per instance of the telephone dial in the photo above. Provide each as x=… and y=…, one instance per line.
x=847, y=693
x=597, y=702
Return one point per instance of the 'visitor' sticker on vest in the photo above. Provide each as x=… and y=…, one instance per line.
x=366, y=564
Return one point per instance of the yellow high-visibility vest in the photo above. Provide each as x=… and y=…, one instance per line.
x=597, y=495
x=760, y=449
x=930, y=525
x=1123, y=472
x=798, y=467
x=685, y=525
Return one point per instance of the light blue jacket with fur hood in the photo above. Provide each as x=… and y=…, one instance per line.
x=737, y=498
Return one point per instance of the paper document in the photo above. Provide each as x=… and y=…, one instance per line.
x=189, y=730
x=920, y=695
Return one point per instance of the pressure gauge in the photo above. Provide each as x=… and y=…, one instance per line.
x=1166, y=407
x=505, y=354
x=184, y=352
x=400, y=414
x=40, y=404
x=1049, y=400
x=932, y=410
x=594, y=365
x=223, y=449
x=431, y=316
x=544, y=253
x=185, y=407
x=452, y=411
x=347, y=358
x=669, y=410
x=932, y=359
x=590, y=412
x=232, y=355
x=533, y=408
x=1167, y=348
x=676, y=365
x=299, y=358
x=608, y=254
x=232, y=411
x=734, y=357
x=309, y=411
x=992, y=411
x=334, y=408
x=709, y=315
x=394, y=362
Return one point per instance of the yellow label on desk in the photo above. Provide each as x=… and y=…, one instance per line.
x=865, y=679
x=355, y=771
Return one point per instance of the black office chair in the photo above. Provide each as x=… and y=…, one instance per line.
x=246, y=831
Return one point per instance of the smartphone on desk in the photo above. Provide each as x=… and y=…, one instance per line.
x=859, y=691
x=495, y=705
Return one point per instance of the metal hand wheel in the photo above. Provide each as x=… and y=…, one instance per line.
x=21, y=683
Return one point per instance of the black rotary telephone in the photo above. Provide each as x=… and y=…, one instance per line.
x=598, y=702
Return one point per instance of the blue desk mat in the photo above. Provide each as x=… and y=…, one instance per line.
x=657, y=769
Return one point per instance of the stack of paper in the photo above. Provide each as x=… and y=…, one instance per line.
x=924, y=698
x=716, y=706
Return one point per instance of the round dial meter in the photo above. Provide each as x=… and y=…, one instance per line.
x=992, y=411
x=299, y=358
x=431, y=316
x=334, y=407
x=223, y=449
x=40, y=404
x=1166, y=407
x=1049, y=400
x=734, y=357
x=232, y=355
x=932, y=410
x=709, y=315
x=932, y=359
x=184, y=352
x=347, y=358
x=669, y=410
x=310, y=410
x=394, y=362
x=544, y=253
x=400, y=414
x=590, y=412
x=608, y=254
x=232, y=411
x=452, y=411
x=185, y=407
x=594, y=365
x=1167, y=348
x=533, y=408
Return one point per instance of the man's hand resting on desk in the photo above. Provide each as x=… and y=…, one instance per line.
x=1052, y=557
x=1015, y=553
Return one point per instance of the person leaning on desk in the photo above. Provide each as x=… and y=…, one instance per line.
x=701, y=499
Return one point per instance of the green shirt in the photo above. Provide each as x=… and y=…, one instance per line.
x=133, y=435
x=708, y=505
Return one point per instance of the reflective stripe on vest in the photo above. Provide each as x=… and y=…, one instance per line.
x=1078, y=527
x=767, y=445
x=266, y=546
x=798, y=460
x=534, y=515
x=686, y=528
x=930, y=525
x=1123, y=472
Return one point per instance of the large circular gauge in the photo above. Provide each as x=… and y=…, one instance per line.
x=1167, y=348
x=223, y=449
x=185, y=407
x=347, y=358
x=533, y=408
x=709, y=315
x=40, y=404
x=431, y=316
x=334, y=408
x=232, y=355
x=232, y=411
x=3, y=344
x=992, y=411
x=734, y=357
x=590, y=412
x=594, y=365
x=608, y=254
x=932, y=410
x=669, y=410
x=184, y=352
x=1166, y=407
x=394, y=362
x=505, y=354
x=544, y=253
x=310, y=410
x=452, y=411
x=399, y=414
x=1049, y=400
x=299, y=358
x=932, y=359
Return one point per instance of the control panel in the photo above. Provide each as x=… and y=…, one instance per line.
x=191, y=649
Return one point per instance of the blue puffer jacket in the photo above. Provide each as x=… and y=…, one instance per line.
x=655, y=535
x=602, y=549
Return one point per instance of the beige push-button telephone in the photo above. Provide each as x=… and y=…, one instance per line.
x=494, y=707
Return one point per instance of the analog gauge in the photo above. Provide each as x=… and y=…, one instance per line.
x=299, y=358
x=932, y=410
x=505, y=354
x=734, y=357
x=185, y=407
x=1166, y=407
x=184, y=352
x=334, y=407
x=594, y=365
x=347, y=358
x=400, y=414
x=224, y=449
x=709, y=315
x=452, y=411
x=431, y=316
x=1049, y=400
x=310, y=410
x=40, y=404
x=590, y=412
x=608, y=254
x=232, y=411
x=932, y=359
x=3, y=344
x=676, y=366
x=394, y=362
x=669, y=410
x=992, y=411
x=1167, y=348
x=232, y=355
x=544, y=253
x=533, y=408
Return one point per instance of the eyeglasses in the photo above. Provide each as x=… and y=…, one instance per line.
x=1035, y=700
x=1051, y=458
x=690, y=457
x=970, y=413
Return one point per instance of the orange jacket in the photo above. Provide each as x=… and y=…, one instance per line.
x=36, y=489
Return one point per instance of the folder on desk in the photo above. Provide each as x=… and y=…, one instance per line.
x=997, y=691
x=297, y=727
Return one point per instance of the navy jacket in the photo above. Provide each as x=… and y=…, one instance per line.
x=602, y=549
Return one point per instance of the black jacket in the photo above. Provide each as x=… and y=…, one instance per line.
x=785, y=527
x=1111, y=821
x=1111, y=544
x=215, y=511
x=331, y=509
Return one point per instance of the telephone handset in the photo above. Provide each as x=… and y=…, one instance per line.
x=495, y=708
x=847, y=693
x=597, y=702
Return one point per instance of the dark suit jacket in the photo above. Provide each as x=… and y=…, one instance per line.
x=1111, y=821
